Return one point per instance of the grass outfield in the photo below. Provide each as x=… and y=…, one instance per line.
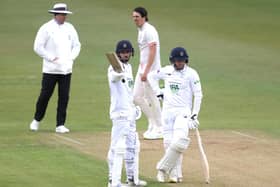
x=233, y=44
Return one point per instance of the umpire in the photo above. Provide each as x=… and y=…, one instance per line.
x=57, y=42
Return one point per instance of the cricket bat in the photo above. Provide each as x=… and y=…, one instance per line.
x=115, y=62
x=205, y=164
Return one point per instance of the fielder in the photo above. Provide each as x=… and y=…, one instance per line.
x=124, y=138
x=181, y=104
x=148, y=41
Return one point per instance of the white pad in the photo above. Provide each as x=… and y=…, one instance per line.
x=136, y=160
x=120, y=145
x=119, y=152
x=117, y=169
x=170, y=158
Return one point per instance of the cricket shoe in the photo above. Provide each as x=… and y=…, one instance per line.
x=120, y=185
x=148, y=131
x=153, y=135
x=173, y=176
x=140, y=183
x=146, y=134
x=174, y=179
x=161, y=176
x=61, y=129
x=34, y=125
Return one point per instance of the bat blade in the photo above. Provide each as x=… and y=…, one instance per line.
x=203, y=156
x=115, y=62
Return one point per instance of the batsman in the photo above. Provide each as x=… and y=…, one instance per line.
x=125, y=143
x=182, y=98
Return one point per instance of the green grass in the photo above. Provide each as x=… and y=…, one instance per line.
x=38, y=165
x=233, y=44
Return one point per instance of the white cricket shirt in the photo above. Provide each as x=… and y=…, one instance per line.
x=121, y=92
x=147, y=34
x=57, y=40
x=181, y=87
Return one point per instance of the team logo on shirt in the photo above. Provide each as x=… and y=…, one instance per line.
x=130, y=83
x=196, y=82
x=174, y=88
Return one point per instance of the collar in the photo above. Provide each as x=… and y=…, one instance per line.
x=56, y=23
x=143, y=26
x=182, y=70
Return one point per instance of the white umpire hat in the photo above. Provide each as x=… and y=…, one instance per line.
x=60, y=8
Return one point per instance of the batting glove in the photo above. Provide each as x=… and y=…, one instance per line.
x=193, y=122
x=117, y=76
x=194, y=117
x=160, y=95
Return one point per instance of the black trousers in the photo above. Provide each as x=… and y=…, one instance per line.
x=48, y=84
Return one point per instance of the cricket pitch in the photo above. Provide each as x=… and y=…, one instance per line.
x=235, y=158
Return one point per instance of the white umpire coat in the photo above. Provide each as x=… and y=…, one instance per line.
x=182, y=89
x=121, y=91
x=57, y=40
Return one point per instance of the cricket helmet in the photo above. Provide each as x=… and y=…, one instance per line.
x=124, y=45
x=178, y=54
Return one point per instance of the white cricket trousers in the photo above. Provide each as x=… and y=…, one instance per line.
x=174, y=127
x=123, y=128
x=147, y=100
